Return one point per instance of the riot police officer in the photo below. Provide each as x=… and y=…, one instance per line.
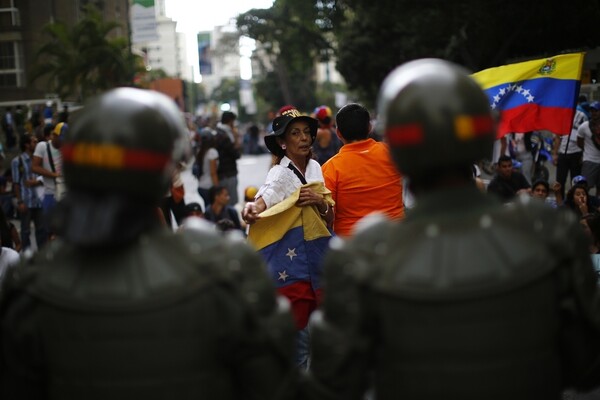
x=466, y=298
x=119, y=307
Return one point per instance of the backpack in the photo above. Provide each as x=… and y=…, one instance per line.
x=197, y=168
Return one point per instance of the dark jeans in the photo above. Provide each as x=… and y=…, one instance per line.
x=567, y=164
x=37, y=216
x=204, y=194
x=6, y=202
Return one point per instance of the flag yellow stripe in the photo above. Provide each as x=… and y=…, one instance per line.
x=568, y=66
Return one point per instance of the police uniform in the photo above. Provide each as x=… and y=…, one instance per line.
x=466, y=298
x=121, y=308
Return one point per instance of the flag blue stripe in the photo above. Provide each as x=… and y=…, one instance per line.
x=286, y=269
x=546, y=92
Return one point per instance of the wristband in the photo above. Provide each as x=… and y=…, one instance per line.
x=324, y=213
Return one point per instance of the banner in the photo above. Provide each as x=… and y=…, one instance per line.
x=204, y=53
x=143, y=21
x=534, y=95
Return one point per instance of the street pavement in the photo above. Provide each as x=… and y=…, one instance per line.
x=252, y=171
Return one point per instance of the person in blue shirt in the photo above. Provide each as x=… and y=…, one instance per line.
x=28, y=190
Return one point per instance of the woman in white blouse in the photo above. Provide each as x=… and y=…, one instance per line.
x=291, y=144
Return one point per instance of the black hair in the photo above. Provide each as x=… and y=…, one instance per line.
x=24, y=140
x=213, y=192
x=192, y=207
x=227, y=117
x=504, y=158
x=225, y=224
x=541, y=182
x=253, y=130
x=570, y=202
x=325, y=120
x=48, y=130
x=354, y=122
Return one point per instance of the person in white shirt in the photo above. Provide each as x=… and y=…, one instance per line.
x=588, y=138
x=566, y=154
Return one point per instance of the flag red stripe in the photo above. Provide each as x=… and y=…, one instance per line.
x=532, y=117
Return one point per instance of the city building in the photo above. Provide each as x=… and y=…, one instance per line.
x=219, y=56
x=21, y=23
x=168, y=51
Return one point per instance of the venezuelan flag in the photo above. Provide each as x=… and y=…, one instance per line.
x=534, y=95
x=293, y=241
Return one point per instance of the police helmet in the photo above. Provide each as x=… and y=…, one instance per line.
x=127, y=141
x=434, y=116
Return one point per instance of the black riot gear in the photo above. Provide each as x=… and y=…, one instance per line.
x=466, y=298
x=145, y=314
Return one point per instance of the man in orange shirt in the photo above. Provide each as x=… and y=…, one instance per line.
x=362, y=177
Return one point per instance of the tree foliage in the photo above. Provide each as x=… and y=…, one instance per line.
x=372, y=38
x=81, y=61
x=292, y=35
x=369, y=39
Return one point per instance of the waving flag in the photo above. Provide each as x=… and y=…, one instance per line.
x=293, y=241
x=534, y=95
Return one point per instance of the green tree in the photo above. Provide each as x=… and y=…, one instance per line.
x=81, y=61
x=372, y=40
x=292, y=36
x=227, y=91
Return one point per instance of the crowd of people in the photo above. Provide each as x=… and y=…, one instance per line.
x=322, y=286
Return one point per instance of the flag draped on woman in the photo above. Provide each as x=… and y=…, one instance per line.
x=293, y=241
x=534, y=95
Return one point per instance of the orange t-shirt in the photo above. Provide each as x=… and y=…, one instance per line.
x=363, y=179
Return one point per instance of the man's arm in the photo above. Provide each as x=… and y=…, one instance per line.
x=36, y=167
x=580, y=136
x=555, y=146
x=331, y=184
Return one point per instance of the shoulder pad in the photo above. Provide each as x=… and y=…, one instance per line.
x=369, y=221
x=248, y=272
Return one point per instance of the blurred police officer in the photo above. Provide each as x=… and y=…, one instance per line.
x=466, y=298
x=119, y=307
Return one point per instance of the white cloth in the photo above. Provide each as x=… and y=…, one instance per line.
x=590, y=152
x=282, y=182
x=8, y=258
x=205, y=181
x=519, y=143
x=42, y=152
x=571, y=138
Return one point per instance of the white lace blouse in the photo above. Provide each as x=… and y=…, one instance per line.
x=282, y=181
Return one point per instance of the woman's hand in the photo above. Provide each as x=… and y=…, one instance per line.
x=251, y=211
x=309, y=198
x=581, y=203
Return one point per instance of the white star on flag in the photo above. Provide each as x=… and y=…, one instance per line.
x=291, y=253
x=282, y=276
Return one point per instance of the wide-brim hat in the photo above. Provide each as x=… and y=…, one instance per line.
x=281, y=123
